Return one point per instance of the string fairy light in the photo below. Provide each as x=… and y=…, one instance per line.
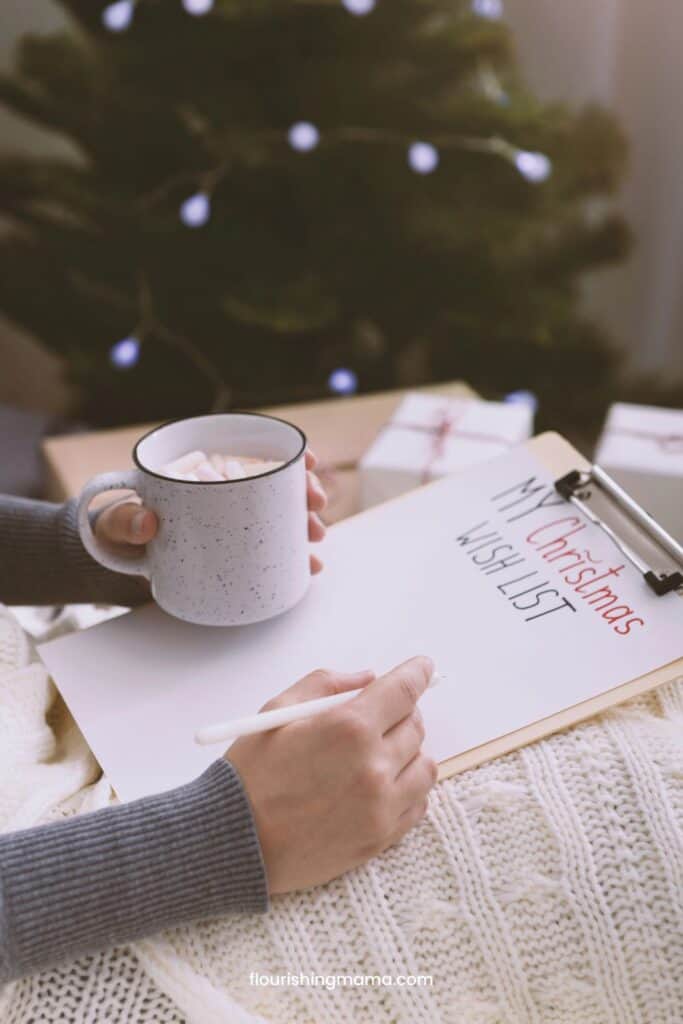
x=522, y=397
x=195, y=211
x=492, y=10
x=118, y=16
x=125, y=353
x=423, y=157
x=359, y=7
x=535, y=167
x=303, y=136
x=343, y=381
x=198, y=7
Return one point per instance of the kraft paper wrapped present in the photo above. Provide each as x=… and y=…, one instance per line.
x=430, y=436
x=642, y=448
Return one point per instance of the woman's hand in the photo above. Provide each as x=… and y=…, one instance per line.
x=127, y=522
x=330, y=791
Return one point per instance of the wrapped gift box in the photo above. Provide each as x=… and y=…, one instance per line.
x=338, y=429
x=430, y=436
x=642, y=448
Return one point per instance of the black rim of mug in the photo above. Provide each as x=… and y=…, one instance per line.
x=217, y=483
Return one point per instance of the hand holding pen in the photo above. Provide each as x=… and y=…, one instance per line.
x=331, y=790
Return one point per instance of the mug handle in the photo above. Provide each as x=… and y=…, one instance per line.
x=123, y=480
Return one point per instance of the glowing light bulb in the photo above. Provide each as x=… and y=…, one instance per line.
x=359, y=6
x=118, y=16
x=490, y=9
x=195, y=210
x=125, y=353
x=198, y=7
x=423, y=158
x=303, y=136
x=342, y=381
x=522, y=397
x=535, y=167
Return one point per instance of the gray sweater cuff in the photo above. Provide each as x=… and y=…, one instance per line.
x=44, y=562
x=128, y=871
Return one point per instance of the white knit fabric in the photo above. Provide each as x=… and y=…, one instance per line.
x=543, y=888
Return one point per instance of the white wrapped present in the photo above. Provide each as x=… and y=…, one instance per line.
x=642, y=448
x=430, y=436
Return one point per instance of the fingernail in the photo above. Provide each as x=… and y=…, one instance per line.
x=138, y=523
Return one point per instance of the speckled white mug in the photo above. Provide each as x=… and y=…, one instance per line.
x=228, y=552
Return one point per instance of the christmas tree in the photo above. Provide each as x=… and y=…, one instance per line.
x=265, y=191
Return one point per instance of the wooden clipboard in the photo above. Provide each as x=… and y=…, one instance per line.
x=560, y=458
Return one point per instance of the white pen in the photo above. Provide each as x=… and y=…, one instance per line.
x=265, y=720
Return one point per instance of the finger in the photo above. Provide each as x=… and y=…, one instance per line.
x=126, y=523
x=403, y=742
x=410, y=818
x=316, y=565
x=407, y=820
x=320, y=683
x=316, y=527
x=393, y=696
x=415, y=781
x=311, y=460
x=315, y=492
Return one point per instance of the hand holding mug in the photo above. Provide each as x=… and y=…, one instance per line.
x=128, y=525
x=331, y=791
x=221, y=548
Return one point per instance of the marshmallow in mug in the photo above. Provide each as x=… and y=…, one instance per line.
x=199, y=466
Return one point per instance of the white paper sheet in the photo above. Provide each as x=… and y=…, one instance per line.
x=517, y=641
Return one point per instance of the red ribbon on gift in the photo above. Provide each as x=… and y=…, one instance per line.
x=445, y=427
x=672, y=444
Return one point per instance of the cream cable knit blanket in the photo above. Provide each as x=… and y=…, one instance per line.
x=544, y=888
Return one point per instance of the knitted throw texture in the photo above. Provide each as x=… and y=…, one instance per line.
x=543, y=888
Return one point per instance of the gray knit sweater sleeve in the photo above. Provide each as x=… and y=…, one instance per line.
x=126, y=871
x=42, y=559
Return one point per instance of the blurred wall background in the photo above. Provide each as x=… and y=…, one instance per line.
x=622, y=53
x=625, y=54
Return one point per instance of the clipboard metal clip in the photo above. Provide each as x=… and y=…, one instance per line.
x=576, y=488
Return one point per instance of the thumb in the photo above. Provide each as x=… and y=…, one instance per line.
x=321, y=683
x=125, y=523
